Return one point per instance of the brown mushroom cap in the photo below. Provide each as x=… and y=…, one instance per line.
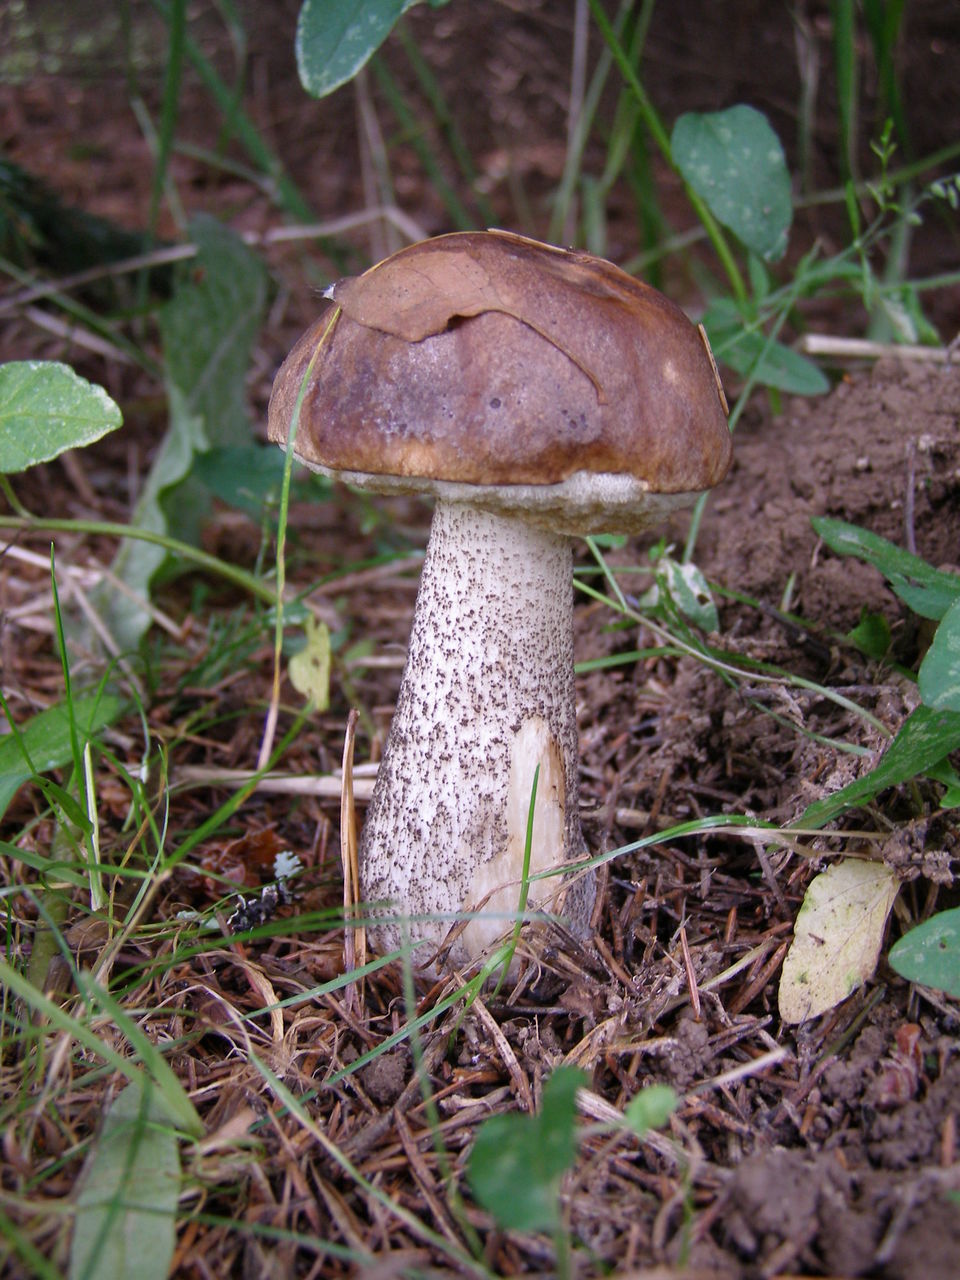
x=487, y=359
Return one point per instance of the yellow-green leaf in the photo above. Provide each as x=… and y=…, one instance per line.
x=310, y=668
x=837, y=937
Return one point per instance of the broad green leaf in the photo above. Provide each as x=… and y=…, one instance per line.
x=740, y=347
x=136, y=562
x=939, y=674
x=335, y=38
x=871, y=635
x=734, y=161
x=929, y=592
x=651, y=1108
x=45, y=739
x=930, y=953
x=46, y=408
x=309, y=669
x=208, y=329
x=944, y=772
x=245, y=476
x=517, y=1161
x=125, y=1217
x=837, y=937
x=926, y=737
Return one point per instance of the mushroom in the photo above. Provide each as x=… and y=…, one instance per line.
x=536, y=394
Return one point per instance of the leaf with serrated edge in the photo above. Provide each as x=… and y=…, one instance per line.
x=45, y=409
x=836, y=938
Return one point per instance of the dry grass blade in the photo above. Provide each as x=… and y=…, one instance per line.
x=328, y=786
x=355, y=936
x=507, y=1056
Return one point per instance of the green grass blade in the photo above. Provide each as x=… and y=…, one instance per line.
x=414, y=134
x=182, y=1108
x=239, y=123
x=846, y=71
x=925, y=739
x=177, y=29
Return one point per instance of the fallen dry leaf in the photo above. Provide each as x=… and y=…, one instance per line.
x=837, y=937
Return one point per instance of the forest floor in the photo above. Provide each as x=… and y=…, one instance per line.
x=837, y=1155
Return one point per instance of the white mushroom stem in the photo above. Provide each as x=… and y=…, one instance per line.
x=487, y=695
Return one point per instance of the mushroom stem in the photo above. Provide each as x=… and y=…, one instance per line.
x=487, y=695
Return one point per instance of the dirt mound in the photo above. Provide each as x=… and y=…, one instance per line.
x=882, y=451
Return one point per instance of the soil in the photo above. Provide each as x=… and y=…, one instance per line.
x=839, y=1159
x=881, y=452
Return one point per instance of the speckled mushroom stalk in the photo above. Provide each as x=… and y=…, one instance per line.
x=487, y=695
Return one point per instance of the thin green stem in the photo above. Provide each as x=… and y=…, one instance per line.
x=177, y=28
x=285, y=189
x=846, y=69
x=762, y=672
x=231, y=572
x=6, y=488
x=659, y=134
x=413, y=133
x=267, y=741
x=790, y=298
x=511, y=946
x=561, y=1249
